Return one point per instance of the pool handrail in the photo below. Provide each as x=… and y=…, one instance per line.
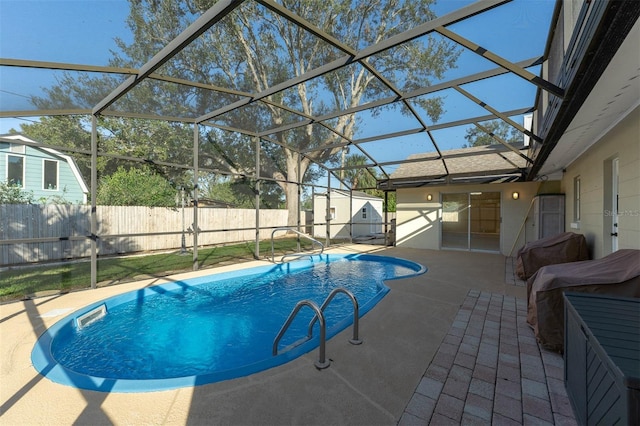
x=355, y=340
x=301, y=254
x=321, y=362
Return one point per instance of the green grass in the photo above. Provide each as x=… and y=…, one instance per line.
x=25, y=282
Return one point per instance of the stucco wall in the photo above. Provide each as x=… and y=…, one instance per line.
x=418, y=220
x=594, y=169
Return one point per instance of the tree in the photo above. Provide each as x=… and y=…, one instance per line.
x=391, y=202
x=65, y=131
x=356, y=175
x=254, y=49
x=13, y=194
x=240, y=192
x=151, y=140
x=219, y=188
x=365, y=179
x=136, y=187
x=478, y=137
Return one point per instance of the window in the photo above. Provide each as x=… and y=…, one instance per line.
x=364, y=212
x=332, y=213
x=576, y=199
x=15, y=170
x=50, y=174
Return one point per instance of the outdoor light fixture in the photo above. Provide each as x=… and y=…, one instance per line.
x=429, y=197
x=515, y=195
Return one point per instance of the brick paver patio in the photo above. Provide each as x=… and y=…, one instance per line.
x=489, y=369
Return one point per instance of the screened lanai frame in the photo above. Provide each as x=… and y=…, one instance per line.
x=349, y=56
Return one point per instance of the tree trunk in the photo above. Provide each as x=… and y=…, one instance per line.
x=290, y=188
x=291, y=192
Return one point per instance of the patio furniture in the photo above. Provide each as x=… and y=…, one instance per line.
x=561, y=248
x=617, y=274
x=602, y=359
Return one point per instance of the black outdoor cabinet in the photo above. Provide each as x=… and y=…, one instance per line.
x=602, y=358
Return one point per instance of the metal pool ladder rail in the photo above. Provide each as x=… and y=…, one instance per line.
x=319, y=316
x=321, y=362
x=355, y=340
x=300, y=254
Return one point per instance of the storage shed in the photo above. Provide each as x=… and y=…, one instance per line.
x=351, y=214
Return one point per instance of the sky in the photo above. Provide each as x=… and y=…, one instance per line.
x=83, y=31
x=80, y=31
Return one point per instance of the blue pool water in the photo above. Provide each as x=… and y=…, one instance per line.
x=211, y=328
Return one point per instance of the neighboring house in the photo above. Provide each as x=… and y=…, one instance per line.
x=45, y=172
x=489, y=198
x=363, y=217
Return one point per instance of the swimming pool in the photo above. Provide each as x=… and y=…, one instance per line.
x=211, y=328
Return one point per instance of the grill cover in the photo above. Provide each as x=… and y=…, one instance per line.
x=617, y=274
x=561, y=248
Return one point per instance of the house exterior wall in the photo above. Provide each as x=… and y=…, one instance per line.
x=68, y=187
x=419, y=221
x=622, y=141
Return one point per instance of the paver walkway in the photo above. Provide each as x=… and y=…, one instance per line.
x=510, y=276
x=489, y=369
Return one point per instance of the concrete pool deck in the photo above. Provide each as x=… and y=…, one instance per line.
x=416, y=365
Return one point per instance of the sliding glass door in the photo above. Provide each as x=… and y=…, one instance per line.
x=455, y=221
x=471, y=221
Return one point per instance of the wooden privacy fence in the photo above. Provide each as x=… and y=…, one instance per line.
x=63, y=231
